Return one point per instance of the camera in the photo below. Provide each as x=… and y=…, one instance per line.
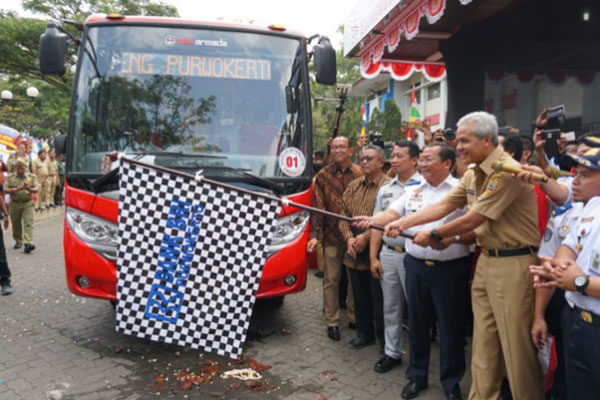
x=375, y=139
x=556, y=117
x=449, y=134
x=343, y=88
x=551, y=134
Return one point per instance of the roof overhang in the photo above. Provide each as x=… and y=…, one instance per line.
x=411, y=29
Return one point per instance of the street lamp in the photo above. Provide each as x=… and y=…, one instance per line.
x=31, y=91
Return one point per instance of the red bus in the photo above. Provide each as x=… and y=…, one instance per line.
x=231, y=100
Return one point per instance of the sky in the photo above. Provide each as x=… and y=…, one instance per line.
x=307, y=16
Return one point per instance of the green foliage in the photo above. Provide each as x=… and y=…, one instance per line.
x=19, y=55
x=375, y=123
x=78, y=10
x=392, y=120
x=387, y=122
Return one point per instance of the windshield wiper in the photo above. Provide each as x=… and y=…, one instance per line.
x=110, y=176
x=177, y=153
x=259, y=179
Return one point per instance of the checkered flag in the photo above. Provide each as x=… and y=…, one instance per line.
x=190, y=259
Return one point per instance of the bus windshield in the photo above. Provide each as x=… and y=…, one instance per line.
x=191, y=99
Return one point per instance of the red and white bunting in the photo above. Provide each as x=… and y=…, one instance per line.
x=402, y=70
x=432, y=9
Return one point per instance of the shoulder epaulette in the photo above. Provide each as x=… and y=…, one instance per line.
x=561, y=210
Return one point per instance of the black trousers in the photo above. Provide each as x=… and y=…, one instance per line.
x=436, y=293
x=581, y=342
x=368, y=305
x=4, y=270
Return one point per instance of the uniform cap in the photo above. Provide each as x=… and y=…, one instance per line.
x=592, y=141
x=20, y=163
x=591, y=159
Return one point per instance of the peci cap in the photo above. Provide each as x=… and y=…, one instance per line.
x=592, y=141
x=591, y=159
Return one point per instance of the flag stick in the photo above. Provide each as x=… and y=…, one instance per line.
x=252, y=193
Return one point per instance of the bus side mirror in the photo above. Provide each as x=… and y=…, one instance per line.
x=60, y=144
x=53, y=51
x=325, y=62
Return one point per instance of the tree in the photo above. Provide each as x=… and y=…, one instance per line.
x=375, y=123
x=78, y=10
x=19, y=55
x=392, y=120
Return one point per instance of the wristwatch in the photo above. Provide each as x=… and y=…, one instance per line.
x=581, y=282
x=435, y=236
x=456, y=238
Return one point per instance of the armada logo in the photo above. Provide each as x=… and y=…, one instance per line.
x=211, y=43
x=170, y=40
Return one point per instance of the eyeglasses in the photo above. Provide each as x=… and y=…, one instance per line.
x=367, y=158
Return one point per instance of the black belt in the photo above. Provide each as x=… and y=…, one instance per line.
x=397, y=249
x=510, y=253
x=587, y=316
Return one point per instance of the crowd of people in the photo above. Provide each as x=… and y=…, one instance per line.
x=31, y=186
x=470, y=248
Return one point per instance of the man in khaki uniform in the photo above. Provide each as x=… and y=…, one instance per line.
x=21, y=185
x=20, y=154
x=53, y=181
x=40, y=170
x=502, y=211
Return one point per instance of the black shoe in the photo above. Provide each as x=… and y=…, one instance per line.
x=18, y=245
x=411, y=390
x=454, y=396
x=29, y=248
x=319, y=274
x=359, y=343
x=386, y=363
x=333, y=332
x=351, y=325
x=7, y=289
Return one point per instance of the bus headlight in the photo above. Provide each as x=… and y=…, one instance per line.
x=287, y=229
x=100, y=234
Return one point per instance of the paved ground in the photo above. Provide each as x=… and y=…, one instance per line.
x=58, y=346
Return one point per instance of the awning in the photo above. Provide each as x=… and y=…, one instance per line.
x=433, y=10
x=402, y=70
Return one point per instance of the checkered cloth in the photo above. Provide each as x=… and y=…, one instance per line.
x=190, y=259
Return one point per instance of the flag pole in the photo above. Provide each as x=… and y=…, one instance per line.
x=286, y=202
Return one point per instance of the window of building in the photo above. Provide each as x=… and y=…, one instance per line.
x=433, y=91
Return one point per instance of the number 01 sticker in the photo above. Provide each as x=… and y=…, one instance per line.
x=292, y=162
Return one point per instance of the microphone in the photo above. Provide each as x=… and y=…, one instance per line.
x=500, y=166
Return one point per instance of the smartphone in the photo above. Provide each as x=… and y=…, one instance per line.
x=568, y=136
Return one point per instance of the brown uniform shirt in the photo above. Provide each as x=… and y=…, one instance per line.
x=40, y=168
x=15, y=180
x=52, y=167
x=509, y=204
x=359, y=199
x=328, y=189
